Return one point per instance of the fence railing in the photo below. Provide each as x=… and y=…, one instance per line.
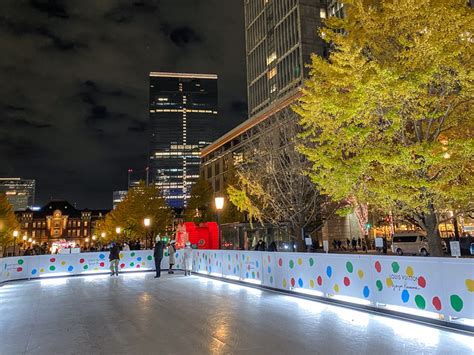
x=436, y=288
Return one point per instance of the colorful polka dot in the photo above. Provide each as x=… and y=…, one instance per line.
x=34, y=271
x=271, y=279
x=395, y=267
x=292, y=264
x=329, y=271
x=421, y=282
x=379, y=285
x=336, y=288
x=139, y=258
x=300, y=282
x=311, y=283
x=122, y=266
x=389, y=282
x=101, y=256
x=405, y=296
x=20, y=261
x=366, y=291
x=269, y=269
x=70, y=268
x=347, y=281
x=284, y=283
x=311, y=261
x=378, y=267
x=360, y=273
x=409, y=271
x=81, y=261
x=469, y=285
x=280, y=262
x=436, y=303
x=420, y=302
x=300, y=261
x=19, y=269
x=132, y=255
x=52, y=260
x=349, y=267
x=293, y=282
x=456, y=302
x=319, y=280
x=102, y=264
x=86, y=267
x=149, y=257
x=52, y=268
x=41, y=270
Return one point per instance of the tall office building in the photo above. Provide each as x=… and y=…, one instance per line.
x=183, y=119
x=281, y=35
x=20, y=192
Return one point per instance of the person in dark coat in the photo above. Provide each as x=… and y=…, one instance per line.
x=114, y=257
x=158, y=254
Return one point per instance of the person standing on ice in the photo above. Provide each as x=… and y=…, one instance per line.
x=188, y=259
x=172, y=259
x=158, y=254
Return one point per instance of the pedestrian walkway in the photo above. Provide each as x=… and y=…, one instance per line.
x=137, y=314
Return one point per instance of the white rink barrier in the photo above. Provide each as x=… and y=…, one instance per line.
x=436, y=288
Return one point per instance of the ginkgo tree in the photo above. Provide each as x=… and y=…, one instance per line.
x=388, y=117
x=8, y=223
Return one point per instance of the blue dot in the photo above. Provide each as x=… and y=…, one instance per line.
x=329, y=271
x=247, y=275
x=139, y=258
x=70, y=268
x=256, y=263
x=300, y=282
x=34, y=271
x=101, y=256
x=235, y=271
x=177, y=255
x=269, y=270
x=405, y=296
x=366, y=291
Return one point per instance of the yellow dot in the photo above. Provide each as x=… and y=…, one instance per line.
x=470, y=285
x=336, y=288
x=63, y=263
x=143, y=263
x=41, y=270
x=360, y=273
x=311, y=283
x=300, y=262
x=409, y=271
x=8, y=274
x=284, y=283
x=389, y=282
x=121, y=256
x=96, y=268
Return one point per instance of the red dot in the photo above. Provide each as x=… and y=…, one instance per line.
x=347, y=282
x=320, y=280
x=122, y=266
x=378, y=267
x=19, y=269
x=81, y=261
x=437, y=303
x=138, y=266
x=269, y=258
x=293, y=282
x=421, y=282
x=52, y=260
x=258, y=275
x=280, y=262
x=102, y=264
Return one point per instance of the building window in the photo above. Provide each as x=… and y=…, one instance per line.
x=272, y=73
x=322, y=13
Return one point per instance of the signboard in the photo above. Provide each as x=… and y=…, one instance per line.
x=379, y=242
x=308, y=241
x=455, y=248
x=326, y=245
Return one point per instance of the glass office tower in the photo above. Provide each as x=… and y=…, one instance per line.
x=183, y=119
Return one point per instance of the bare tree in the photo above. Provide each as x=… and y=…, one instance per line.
x=273, y=184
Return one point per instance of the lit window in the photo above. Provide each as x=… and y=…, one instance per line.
x=322, y=13
x=271, y=58
x=272, y=73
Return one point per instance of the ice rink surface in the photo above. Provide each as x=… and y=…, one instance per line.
x=137, y=314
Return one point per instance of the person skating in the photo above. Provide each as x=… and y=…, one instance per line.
x=114, y=257
x=158, y=254
x=171, y=253
x=188, y=259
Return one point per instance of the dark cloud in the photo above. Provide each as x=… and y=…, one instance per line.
x=52, y=8
x=74, y=93
x=184, y=35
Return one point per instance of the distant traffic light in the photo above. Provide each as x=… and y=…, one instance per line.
x=368, y=225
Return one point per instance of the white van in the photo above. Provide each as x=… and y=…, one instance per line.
x=410, y=243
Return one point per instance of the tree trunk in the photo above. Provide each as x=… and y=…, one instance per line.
x=434, y=238
x=299, y=241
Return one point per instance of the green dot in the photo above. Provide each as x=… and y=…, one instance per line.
x=133, y=254
x=456, y=303
x=52, y=268
x=379, y=285
x=20, y=261
x=253, y=274
x=292, y=264
x=132, y=264
x=395, y=267
x=86, y=267
x=420, y=302
x=311, y=261
x=149, y=257
x=349, y=267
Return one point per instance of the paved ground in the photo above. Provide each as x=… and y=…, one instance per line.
x=137, y=314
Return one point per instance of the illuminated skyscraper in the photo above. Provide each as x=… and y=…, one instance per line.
x=20, y=192
x=183, y=119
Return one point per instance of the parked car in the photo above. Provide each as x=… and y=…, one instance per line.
x=410, y=243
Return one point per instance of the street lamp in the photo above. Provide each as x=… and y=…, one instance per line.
x=94, y=237
x=146, y=223
x=102, y=235
x=219, y=201
x=15, y=235
x=118, y=230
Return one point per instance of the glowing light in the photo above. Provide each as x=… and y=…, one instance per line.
x=118, y=230
x=219, y=203
x=15, y=234
x=30, y=240
x=253, y=281
x=350, y=299
x=54, y=274
x=102, y=234
x=25, y=237
x=146, y=222
x=309, y=292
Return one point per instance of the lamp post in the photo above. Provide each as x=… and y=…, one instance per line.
x=146, y=223
x=118, y=230
x=15, y=235
x=219, y=201
x=24, y=242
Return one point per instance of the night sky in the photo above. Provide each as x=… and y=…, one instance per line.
x=74, y=85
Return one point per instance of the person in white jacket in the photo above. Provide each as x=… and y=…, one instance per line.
x=188, y=259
